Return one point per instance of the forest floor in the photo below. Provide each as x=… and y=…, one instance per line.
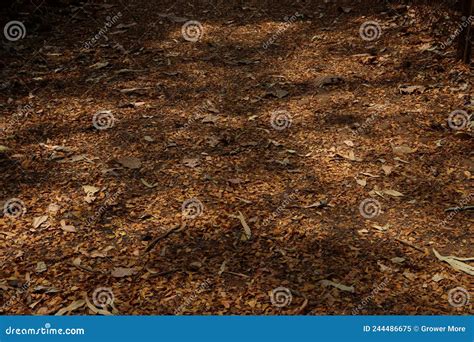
x=270, y=159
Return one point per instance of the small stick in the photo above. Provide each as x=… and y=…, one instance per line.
x=411, y=245
x=153, y=242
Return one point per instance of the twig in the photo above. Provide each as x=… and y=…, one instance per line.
x=153, y=242
x=411, y=245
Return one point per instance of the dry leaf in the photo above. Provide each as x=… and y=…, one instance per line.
x=342, y=287
x=119, y=272
x=456, y=263
x=438, y=277
x=247, y=232
x=40, y=267
x=67, y=228
x=130, y=162
x=38, y=221
x=191, y=162
x=387, y=169
x=393, y=193
x=401, y=150
x=71, y=307
x=361, y=182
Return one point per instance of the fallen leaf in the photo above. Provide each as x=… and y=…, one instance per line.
x=40, y=267
x=99, y=65
x=130, y=162
x=119, y=272
x=438, y=277
x=456, y=263
x=408, y=90
x=342, y=287
x=397, y=260
x=403, y=149
x=191, y=162
x=67, y=228
x=361, y=182
x=148, y=138
x=38, y=221
x=247, y=232
x=393, y=193
x=71, y=307
x=409, y=275
x=387, y=169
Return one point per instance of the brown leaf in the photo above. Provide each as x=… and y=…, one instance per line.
x=130, y=162
x=119, y=272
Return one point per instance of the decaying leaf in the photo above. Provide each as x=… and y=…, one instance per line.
x=456, y=262
x=393, y=193
x=247, y=233
x=342, y=287
x=130, y=162
x=119, y=272
x=67, y=228
x=38, y=221
x=71, y=307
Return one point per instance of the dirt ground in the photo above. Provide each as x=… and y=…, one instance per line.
x=270, y=158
